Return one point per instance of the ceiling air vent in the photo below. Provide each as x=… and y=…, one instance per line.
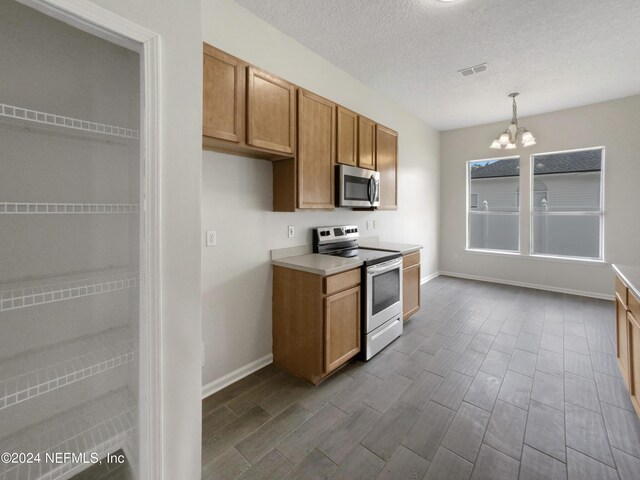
x=466, y=72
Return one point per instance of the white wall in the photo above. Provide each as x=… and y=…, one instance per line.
x=237, y=193
x=610, y=124
x=179, y=24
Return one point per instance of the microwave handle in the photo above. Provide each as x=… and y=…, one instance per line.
x=376, y=190
x=371, y=190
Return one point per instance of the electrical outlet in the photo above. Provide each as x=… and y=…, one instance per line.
x=211, y=238
x=368, y=224
x=291, y=231
x=375, y=224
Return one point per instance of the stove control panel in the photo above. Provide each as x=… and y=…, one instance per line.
x=336, y=234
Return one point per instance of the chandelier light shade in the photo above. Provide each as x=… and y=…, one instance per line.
x=507, y=139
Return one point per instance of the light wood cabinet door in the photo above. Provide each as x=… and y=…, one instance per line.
x=341, y=328
x=366, y=143
x=316, y=151
x=270, y=112
x=634, y=360
x=387, y=165
x=347, y=137
x=410, y=291
x=622, y=339
x=223, y=95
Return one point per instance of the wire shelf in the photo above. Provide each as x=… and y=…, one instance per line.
x=29, y=294
x=35, y=373
x=24, y=208
x=19, y=113
x=98, y=427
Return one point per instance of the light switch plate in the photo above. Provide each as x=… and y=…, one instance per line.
x=291, y=231
x=211, y=238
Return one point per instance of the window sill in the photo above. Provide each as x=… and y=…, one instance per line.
x=543, y=258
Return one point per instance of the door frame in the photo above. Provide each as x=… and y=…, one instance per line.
x=103, y=23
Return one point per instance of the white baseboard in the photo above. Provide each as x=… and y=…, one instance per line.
x=424, y=280
x=229, y=378
x=536, y=286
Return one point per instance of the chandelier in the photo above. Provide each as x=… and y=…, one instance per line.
x=513, y=133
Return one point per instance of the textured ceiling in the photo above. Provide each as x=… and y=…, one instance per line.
x=556, y=53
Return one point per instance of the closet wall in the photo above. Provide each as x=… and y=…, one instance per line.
x=69, y=237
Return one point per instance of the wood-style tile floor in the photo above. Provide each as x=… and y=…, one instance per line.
x=487, y=382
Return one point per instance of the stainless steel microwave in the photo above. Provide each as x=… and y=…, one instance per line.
x=357, y=187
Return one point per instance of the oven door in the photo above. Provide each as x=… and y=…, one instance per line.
x=384, y=293
x=357, y=187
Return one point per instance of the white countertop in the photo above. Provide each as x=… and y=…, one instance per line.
x=318, y=264
x=630, y=275
x=403, y=248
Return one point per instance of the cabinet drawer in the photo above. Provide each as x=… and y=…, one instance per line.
x=341, y=281
x=633, y=305
x=383, y=336
x=621, y=290
x=410, y=259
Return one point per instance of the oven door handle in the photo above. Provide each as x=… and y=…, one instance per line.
x=385, y=267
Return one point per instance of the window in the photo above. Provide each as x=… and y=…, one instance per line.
x=567, y=219
x=493, y=211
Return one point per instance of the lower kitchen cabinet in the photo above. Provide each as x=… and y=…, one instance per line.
x=634, y=360
x=341, y=328
x=316, y=321
x=622, y=338
x=628, y=339
x=410, y=284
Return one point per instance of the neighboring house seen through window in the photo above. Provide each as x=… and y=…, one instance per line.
x=567, y=221
x=493, y=213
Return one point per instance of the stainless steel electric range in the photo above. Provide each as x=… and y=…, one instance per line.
x=381, y=285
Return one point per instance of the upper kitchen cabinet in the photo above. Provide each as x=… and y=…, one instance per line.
x=387, y=164
x=271, y=112
x=366, y=143
x=245, y=111
x=252, y=113
x=223, y=96
x=316, y=151
x=347, y=137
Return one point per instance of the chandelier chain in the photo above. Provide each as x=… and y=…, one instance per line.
x=514, y=118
